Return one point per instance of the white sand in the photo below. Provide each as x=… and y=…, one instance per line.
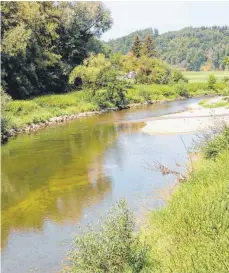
x=196, y=119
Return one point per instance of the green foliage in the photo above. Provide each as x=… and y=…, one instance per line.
x=43, y=41
x=182, y=90
x=95, y=72
x=217, y=145
x=187, y=234
x=114, y=248
x=189, y=48
x=5, y=99
x=149, y=70
x=148, y=47
x=22, y=107
x=136, y=47
x=211, y=81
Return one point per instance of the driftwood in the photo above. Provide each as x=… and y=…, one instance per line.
x=158, y=167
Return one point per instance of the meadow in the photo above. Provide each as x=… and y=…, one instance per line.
x=200, y=76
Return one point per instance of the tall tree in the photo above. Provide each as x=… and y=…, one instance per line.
x=136, y=47
x=148, y=47
x=43, y=41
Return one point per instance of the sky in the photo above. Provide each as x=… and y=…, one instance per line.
x=129, y=16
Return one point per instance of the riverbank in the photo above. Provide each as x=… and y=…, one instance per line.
x=191, y=233
x=196, y=118
x=35, y=114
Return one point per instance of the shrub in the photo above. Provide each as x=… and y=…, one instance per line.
x=218, y=144
x=114, y=248
x=181, y=90
x=211, y=81
x=5, y=99
x=95, y=72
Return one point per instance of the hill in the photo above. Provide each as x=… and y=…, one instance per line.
x=190, y=48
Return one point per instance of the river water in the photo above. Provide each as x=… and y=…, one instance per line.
x=59, y=179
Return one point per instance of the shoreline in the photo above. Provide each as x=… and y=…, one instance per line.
x=196, y=118
x=65, y=118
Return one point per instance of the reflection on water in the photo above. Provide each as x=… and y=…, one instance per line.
x=52, y=178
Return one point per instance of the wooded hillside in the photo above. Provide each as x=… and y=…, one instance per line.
x=191, y=48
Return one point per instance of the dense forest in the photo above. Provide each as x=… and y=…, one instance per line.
x=191, y=48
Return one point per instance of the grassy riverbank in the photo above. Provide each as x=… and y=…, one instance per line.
x=189, y=235
x=22, y=113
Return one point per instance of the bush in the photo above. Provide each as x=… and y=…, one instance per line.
x=217, y=145
x=5, y=99
x=211, y=81
x=181, y=90
x=113, y=249
x=95, y=72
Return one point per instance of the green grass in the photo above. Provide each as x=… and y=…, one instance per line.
x=40, y=109
x=141, y=92
x=200, y=76
x=21, y=113
x=192, y=234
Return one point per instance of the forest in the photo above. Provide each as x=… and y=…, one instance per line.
x=190, y=48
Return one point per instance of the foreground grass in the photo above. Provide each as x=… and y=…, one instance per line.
x=40, y=109
x=192, y=234
x=200, y=76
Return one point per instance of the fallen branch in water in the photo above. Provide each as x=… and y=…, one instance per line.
x=158, y=167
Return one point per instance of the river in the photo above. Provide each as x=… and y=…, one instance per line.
x=59, y=179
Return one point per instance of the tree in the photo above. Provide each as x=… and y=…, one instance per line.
x=148, y=47
x=136, y=47
x=226, y=61
x=211, y=81
x=43, y=41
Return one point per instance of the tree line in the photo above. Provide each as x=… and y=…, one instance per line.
x=204, y=48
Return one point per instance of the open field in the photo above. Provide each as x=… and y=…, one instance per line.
x=200, y=76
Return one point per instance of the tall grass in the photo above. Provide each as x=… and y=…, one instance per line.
x=192, y=234
x=21, y=113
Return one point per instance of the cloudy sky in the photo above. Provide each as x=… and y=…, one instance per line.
x=130, y=16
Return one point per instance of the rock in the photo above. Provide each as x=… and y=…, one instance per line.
x=130, y=75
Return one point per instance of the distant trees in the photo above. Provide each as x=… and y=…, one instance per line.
x=136, y=47
x=190, y=48
x=146, y=48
